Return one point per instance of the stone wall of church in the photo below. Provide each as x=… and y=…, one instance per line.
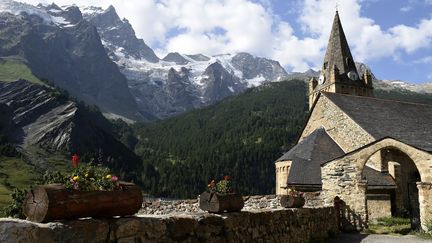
x=378, y=206
x=282, y=171
x=346, y=133
x=425, y=199
x=342, y=178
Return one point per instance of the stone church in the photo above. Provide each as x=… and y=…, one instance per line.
x=374, y=154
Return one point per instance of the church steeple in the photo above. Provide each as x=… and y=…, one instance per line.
x=338, y=53
x=339, y=73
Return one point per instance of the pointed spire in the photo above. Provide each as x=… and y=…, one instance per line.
x=338, y=53
x=339, y=73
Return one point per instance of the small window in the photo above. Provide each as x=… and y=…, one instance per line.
x=348, y=61
x=325, y=65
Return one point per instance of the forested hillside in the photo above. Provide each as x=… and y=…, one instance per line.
x=240, y=136
x=404, y=95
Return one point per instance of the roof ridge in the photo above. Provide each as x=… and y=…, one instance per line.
x=375, y=98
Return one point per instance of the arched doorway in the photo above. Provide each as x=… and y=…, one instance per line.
x=392, y=177
x=343, y=177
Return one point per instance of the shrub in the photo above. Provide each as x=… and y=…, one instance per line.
x=15, y=208
x=429, y=226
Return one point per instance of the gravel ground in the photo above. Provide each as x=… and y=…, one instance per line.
x=372, y=238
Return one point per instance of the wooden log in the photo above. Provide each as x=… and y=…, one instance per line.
x=218, y=203
x=53, y=202
x=289, y=201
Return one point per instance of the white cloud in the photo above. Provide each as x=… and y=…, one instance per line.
x=246, y=26
x=406, y=9
x=366, y=38
x=424, y=60
x=413, y=38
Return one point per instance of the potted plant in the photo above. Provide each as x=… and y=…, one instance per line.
x=89, y=191
x=293, y=199
x=220, y=197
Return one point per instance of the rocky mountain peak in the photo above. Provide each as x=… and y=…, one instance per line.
x=255, y=68
x=107, y=18
x=51, y=6
x=73, y=14
x=118, y=35
x=176, y=58
x=220, y=83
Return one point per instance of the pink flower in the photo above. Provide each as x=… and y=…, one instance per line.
x=114, y=178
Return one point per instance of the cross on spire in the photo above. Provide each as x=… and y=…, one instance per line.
x=337, y=5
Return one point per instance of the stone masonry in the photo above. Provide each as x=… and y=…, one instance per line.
x=343, y=177
x=265, y=225
x=159, y=206
x=345, y=132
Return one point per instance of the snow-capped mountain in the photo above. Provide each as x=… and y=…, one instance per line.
x=58, y=45
x=159, y=88
x=178, y=82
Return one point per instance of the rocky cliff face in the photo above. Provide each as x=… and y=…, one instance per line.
x=75, y=48
x=119, y=35
x=40, y=117
x=219, y=83
x=178, y=82
x=62, y=47
x=256, y=67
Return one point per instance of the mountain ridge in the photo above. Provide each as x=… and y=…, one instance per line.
x=144, y=86
x=69, y=54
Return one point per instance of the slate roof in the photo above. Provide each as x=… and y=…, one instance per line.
x=338, y=55
x=377, y=179
x=308, y=155
x=410, y=123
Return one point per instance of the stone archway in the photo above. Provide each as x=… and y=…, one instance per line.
x=392, y=178
x=343, y=177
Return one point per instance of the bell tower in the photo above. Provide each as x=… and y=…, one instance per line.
x=339, y=73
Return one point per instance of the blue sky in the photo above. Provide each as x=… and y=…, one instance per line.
x=393, y=37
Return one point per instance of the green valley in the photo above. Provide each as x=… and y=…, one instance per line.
x=12, y=68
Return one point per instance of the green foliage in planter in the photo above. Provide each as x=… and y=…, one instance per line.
x=89, y=177
x=223, y=186
x=84, y=177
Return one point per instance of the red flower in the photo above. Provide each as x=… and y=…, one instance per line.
x=75, y=160
x=226, y=178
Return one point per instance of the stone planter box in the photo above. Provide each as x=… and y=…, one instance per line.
x=53, y=202
x=289, y=201
x=219, y=203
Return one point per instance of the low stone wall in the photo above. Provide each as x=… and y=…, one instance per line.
x=159, y=206
x=266, y=225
